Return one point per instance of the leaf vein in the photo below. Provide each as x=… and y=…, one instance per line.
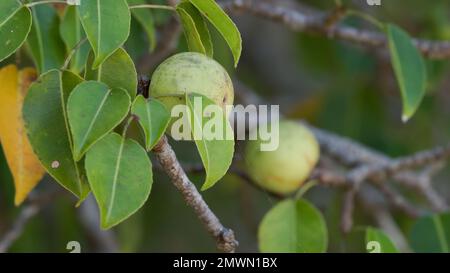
x=94, y=119
x=116, y=175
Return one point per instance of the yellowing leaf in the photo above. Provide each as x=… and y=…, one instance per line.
x=23, y=163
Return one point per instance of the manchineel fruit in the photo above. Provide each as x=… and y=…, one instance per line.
x=283, y=170
x=191, y=72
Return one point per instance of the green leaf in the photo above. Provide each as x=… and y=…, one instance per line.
x=117, y=71
x=153, y=118
x=409, y=68
x=220, y=20
x=15, y=24
x=431, y=234
x=145, y=18
x=216, y=152
x=120, y=175
x=107, y=25
x=72, y=33
x=378, y=236
x=195, y=29
x=94, y=110
x=294, y=227
x=44, y=41
x=44, y=113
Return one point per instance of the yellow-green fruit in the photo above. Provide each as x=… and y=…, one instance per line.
x=283, y=170
x=191, y=72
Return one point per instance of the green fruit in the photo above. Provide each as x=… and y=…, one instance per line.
x=191, y=72
x=283, y=170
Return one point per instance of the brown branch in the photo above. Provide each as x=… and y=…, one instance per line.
x=348, y=207
x=419, y=159
x=377, y=167
x=330, y=179
x=17, y=229
x=315, y=22
x=225, y=239
x=385, y=221
x=351, y=153
x=346, y=150
x=386, y=168
x=399, y=201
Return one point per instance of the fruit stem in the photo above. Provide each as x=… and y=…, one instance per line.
x=306, y=187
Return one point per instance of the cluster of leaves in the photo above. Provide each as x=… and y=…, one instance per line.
x=72, y=122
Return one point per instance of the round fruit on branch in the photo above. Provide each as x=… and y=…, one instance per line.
x=191, y=72
x=285, y=169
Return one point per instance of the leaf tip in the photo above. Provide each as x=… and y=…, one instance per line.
x=237, y=56
x=18, y=199
x=405, y=118
x=208, y=183
x=82, y=197
x=107, y=223
x=97, y=62
x=205, y=187
x=77, y=155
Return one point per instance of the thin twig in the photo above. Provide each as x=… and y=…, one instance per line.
x=348, y=207
x=166, y=46
x=14, y=233
x=398, y=201
x=384, y=220
x=329, y=178
x=351, y=153
x=30, y=210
